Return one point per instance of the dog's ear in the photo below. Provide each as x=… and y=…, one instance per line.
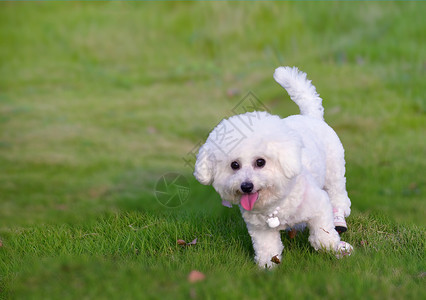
x=291, y=160
x=289, y=155
x=205, y=165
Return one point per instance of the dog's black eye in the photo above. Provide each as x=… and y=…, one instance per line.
x=260, y=163
x=235, y=165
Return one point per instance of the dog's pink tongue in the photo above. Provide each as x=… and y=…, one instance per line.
x=247, y=200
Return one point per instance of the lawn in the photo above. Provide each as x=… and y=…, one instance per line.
x=99, y=100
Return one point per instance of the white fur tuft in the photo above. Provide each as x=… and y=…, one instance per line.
x=301, y=91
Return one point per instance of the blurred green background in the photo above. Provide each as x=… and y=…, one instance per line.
x=99, y=99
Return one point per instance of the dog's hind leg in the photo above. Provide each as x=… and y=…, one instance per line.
x=335, y=185
x=322, y=232
x=323, y=236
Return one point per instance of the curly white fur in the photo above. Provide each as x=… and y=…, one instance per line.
x=301, y=181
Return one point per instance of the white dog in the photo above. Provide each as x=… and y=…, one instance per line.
x=281, y=172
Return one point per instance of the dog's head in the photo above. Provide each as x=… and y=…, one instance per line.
x=250, y=159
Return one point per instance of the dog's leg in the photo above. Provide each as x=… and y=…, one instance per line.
x=335, y=185
x=322, y=234
x=340, y=201
x=335, y=181
x=266, y=244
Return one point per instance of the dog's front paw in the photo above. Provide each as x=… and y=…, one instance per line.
x=343, y=249
x=269, y=263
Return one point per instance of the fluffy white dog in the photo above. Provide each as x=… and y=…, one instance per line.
x=283, y=173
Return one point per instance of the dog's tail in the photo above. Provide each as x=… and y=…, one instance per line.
x=301, y=91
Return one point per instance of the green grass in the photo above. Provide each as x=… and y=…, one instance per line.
x=130, y=254
x=98, y=100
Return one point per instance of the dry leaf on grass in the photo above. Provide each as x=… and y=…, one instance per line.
x=276, y=260
x=195, y=276
x=183, y=243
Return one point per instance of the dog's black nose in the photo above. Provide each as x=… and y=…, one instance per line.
x=246, y=187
